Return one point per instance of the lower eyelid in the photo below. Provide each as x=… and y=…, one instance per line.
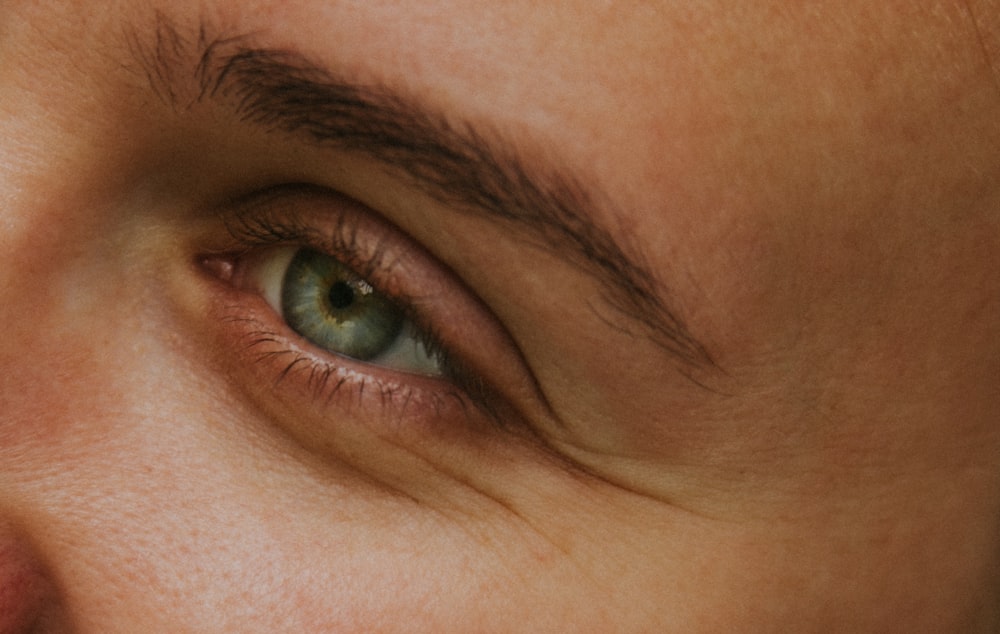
x=275, y=371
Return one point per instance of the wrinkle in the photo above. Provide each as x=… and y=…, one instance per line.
x=983, y=42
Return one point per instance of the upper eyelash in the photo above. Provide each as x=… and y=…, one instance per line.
x=252, y=230
x=341, y=242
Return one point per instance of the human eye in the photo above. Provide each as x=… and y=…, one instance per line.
x=330, y=305
x=329, y=308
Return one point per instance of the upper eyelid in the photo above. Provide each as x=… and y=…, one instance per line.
x=272, y=216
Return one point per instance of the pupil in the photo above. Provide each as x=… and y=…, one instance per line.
x=341, y=295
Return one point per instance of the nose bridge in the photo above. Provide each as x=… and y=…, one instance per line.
x=47, y=289
x=53, y=331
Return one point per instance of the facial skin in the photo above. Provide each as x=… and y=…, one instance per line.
x=745, y=379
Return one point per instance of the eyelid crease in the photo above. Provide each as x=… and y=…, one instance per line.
x=488, y=365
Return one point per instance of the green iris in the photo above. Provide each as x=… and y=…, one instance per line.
x=331, y=306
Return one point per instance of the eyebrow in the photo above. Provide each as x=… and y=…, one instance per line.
x=456, y=164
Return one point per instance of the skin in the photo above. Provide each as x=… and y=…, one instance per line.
x=818, y=188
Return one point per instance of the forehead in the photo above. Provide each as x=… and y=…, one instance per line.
x=646, y=82
x=697, y=120
x=689, y=115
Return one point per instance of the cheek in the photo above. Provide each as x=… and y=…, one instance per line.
x=60, y=375
x=155, y=498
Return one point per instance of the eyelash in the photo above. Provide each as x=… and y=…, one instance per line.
x=375, y=254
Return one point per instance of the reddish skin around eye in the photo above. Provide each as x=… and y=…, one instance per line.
x=22, y=587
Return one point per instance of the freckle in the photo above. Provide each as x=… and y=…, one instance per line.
x=543, y=557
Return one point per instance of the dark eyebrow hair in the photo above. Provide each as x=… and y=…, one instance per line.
x=454, y=163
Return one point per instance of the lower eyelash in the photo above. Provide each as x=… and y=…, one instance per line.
x=352, y=390
x=324, y=379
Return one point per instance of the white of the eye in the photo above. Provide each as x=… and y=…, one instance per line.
x=407, y=353
x=271, y=275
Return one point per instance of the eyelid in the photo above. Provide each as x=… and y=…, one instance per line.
x=436, y=299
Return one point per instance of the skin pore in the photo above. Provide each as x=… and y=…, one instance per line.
x=712, y=287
